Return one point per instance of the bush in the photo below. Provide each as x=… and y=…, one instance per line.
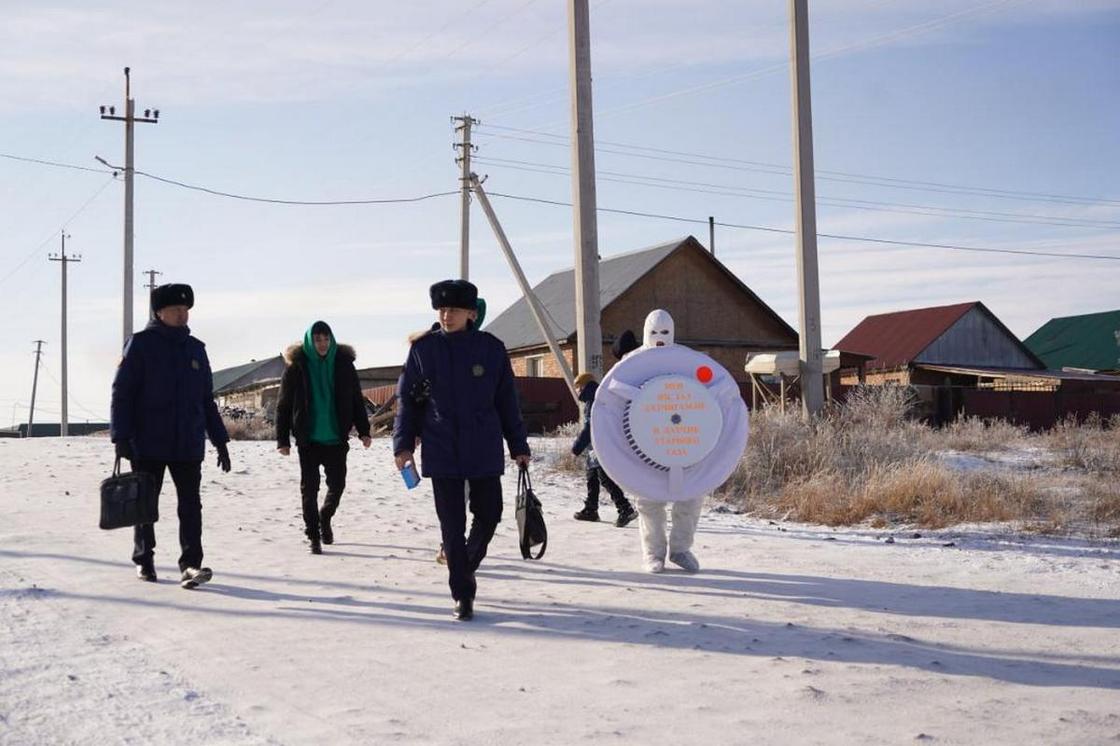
x=869, y=460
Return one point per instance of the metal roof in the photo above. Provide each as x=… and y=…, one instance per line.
x=242, y=375
x=897, y=338
x=979, y=370
x=516, y=327
x=1090, y=341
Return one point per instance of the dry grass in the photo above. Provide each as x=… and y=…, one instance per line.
x=249, y=428
x=1093, y=445
x=870, y=461
x=975, y=435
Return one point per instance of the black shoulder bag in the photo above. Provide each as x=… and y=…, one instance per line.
x=531, y=530
x=128, y=499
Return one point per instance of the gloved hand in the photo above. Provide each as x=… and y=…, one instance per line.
x=124, y=449
x=223, y=456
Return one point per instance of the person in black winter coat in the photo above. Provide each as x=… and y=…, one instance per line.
x=456, y=395
x=162, y=410
x=586, y=386
x=320, y=403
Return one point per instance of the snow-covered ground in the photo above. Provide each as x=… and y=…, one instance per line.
x=790, y=634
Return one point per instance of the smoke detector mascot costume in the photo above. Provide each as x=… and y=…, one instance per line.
x=669, y=425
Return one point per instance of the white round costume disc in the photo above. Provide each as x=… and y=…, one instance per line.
x=674, y=421
x=638, y=442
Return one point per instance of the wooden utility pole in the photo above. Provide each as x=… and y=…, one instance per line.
x=151, y=273
x=808, y=275
x=712, y=234
x=34, y=386
x=129, y=119
x=464, y=160
x=64, y=260
x=519, y=275
x=589, y=333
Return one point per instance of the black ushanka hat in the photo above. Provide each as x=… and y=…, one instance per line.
x=175, y=294
x=454, y=294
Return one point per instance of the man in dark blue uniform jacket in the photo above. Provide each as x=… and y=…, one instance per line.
x=162, y=410
x=456, y=396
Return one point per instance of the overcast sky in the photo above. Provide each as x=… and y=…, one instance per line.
x=974, y=124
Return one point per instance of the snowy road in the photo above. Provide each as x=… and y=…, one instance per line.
x=790, y=634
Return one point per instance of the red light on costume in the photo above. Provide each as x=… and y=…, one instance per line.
x=704, y=374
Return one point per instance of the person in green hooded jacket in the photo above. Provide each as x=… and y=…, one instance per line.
x=320, y=403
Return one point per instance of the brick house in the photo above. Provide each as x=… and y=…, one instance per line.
x=714, y=311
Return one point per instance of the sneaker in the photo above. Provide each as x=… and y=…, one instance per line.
x=195, y=576
x=146, y=572
x=325, y=528
x=625, y=517
x=685, y=560
x=441, y=556
x=654, y=565
x=587, y=515
x=464, y=609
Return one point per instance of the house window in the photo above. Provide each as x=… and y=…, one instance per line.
x=534, y=366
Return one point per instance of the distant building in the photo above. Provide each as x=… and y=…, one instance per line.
x=713, y=310
x=1090, y=342
x=963, y=361
x=254, y=386
x=911, y=347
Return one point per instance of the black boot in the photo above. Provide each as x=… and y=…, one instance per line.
x=316, y=546
x=625, y=516
x=147, y=572
x=325, y=528
x=587, y=514
x=464, y=609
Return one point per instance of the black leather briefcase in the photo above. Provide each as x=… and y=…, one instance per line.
x=128, y=499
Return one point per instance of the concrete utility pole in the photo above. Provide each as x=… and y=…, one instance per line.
x=129, y=119
x=151, y=273
x=34, y=385
x=464, y=160
x=530, y=298
x=808, y=274
x=64, y=260
x=712, y=234
x=589, y=333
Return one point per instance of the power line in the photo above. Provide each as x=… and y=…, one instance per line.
x=269, y=200
x=65, y=223
x=230, y=195
x=770, y=229
x=55, y=163
x=739, y=164
x=778, y=196
x=634, y=213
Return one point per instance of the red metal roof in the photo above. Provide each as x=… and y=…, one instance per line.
x=897, y=338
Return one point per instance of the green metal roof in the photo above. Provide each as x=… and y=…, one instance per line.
x=1090, y=341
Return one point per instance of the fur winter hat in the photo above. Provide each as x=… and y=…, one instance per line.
x=172, y=295
x=583, y=379
x=454, y=294
x=625, y=343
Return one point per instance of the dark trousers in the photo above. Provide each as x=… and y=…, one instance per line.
x=465, y=553
x=333, y=460
x=187, y=476
x=595, y=476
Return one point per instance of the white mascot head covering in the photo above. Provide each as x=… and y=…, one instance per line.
x=659, y=331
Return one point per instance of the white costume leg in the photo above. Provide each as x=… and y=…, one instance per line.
x=686, y=516
x=651, y=525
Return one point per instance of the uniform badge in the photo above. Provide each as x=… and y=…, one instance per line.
x=195, y=365
x=478, y=370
